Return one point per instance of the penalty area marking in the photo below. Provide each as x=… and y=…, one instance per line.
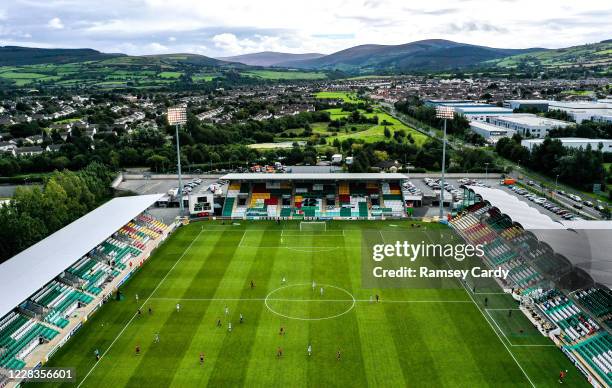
x=490, y=325
x=322, y=300
x=508, y=339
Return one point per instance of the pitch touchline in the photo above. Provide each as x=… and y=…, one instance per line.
x=490, y=325
x=136, y=313
x=304, y=300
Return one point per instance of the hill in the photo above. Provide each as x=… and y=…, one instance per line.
x=586, y=56
x=270, y=58
x=114, y=71
x=18, y=56
x=432, y=54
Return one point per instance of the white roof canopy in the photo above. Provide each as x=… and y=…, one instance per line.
x=529, y=218
x=27, y=272
x=586, y=244
x=314, y=176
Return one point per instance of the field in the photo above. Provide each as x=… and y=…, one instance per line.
x=414, y=337
x=369, y=133
x=597, y=54
x=374, y=133
x=344, y=96
x=285, y=75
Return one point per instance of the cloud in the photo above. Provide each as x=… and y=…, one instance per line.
x=55, y=23
x=474, y=27
x=433, y=12
x=157, y=47
x=240, y=26
x=233, y=45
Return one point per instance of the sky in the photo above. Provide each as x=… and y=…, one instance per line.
x=219, y=28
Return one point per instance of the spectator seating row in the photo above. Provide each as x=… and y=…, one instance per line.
x=61, y=300
x=596, y=351
x=19, y=336
x=597, y=300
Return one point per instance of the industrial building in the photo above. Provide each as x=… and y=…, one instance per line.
x=581, y=111
x=472, y=110
x=540, y=105
x=573, y=142
x=490, y=132
x=482, y=113
x=528, y=125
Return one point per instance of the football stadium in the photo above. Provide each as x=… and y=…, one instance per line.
x=268, y=284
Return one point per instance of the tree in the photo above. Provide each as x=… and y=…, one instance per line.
x=387, y=133
x=158, y=162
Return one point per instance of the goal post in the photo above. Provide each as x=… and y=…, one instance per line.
x=313, y=226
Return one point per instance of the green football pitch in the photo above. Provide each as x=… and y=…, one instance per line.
x=413, y=337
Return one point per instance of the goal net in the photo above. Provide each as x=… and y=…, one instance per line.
x=313, y=226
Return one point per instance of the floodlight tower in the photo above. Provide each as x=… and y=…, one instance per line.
x=178, y=116
x=446, y=113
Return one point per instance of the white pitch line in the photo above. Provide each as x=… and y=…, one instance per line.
x=242, y=239
x=135, y=314
x=304, y=300
x=492, y=328
x=508, y=339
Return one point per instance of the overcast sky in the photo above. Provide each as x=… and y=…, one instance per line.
x=229, y=27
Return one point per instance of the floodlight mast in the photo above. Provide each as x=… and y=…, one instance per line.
x=444, y=112
x=176, y=117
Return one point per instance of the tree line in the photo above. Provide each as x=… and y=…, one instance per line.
x=35, y=212
x=580, y=167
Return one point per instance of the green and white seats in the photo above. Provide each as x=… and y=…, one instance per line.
x=393, y=198
x=597, y=352
x=93, y=272
x=61, y=300
x=19, y=336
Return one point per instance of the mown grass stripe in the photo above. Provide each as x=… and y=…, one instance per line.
x=157, y=368
x=237, y=349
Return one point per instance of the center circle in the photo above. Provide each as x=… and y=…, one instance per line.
x=303, y=303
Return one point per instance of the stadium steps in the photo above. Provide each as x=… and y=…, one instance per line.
x=345, y=212
x=228, y=207
x=363, y=209
x=285, y=212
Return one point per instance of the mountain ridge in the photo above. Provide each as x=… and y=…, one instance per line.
x=18, y=55
x=269, y=58
x=432, y=54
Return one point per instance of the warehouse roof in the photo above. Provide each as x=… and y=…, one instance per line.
x=534, y=120
x=27, y=272
x=314, y=176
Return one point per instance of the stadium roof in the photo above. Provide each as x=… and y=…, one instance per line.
x=25, y=273
x=586, y=244
x=314, y=176
x=529, y=217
